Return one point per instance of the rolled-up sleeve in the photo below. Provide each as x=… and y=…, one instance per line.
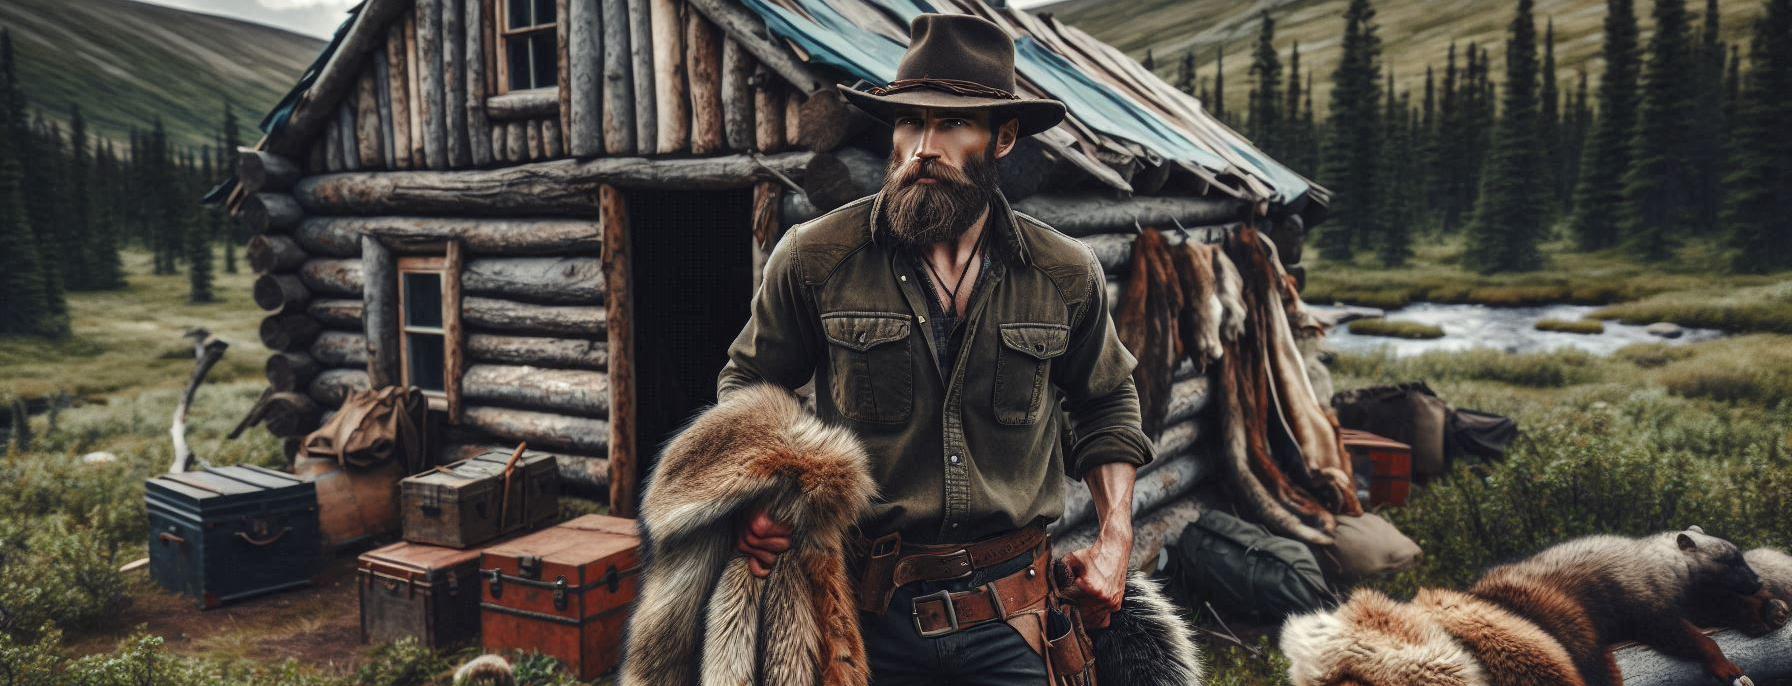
x=778, y=344
x=1095, y=376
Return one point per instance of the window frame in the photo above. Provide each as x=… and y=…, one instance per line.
x=443, y=260
x=503, y=32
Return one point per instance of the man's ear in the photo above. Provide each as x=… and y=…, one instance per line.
x=1006, y=136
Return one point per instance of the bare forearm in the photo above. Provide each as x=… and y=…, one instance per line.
x=1110, y=487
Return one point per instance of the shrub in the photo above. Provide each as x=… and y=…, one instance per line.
x=1653, y=355
x=1395, y=329
x=1750, y=368
x=1754, y=309
x=1580, y=326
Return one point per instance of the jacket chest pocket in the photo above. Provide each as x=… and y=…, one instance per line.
x=873, y=366
x=1023, y=366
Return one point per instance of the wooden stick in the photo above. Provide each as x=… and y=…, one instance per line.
x=619, y=80
x=398, y=85
x=746, y=27
x=415, y=66
x=640, y=45
x=585, y=52
x=768, y=111
x=479, y=128
x=737, y=96
x=382, y=91
x=793, y=119
x=613, y=212
x=430, y=82
x=504, y=504
x=532, y=138
x=454, y=75
x=454, y=357
x=516, y=141
x=208, y=349
x=255, y=414
x=703, y=71
x=557, y=188
x=563, y=48
x=500, y=142
x=552, y=144
x=523, y=105
x=368, y=145
x=380, y=294
x=672, y=110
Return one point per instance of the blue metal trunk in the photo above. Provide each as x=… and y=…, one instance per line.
x=232, y=532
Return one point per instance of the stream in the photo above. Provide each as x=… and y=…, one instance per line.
x=1511, y=329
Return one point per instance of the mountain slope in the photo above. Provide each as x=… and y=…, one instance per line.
x=1413, y=33
x=125, y=62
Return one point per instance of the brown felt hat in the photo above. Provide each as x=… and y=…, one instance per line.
x=957, y=61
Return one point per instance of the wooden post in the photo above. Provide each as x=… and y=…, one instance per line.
x=552, y=146
x=737, y=96
x=429, y=81
x=532, y=138
x=455, y=362
x=672, y=109
x=259, y=170
x=703, y=69
x=346, y=134
x=367, y=122
x=380, y=313
x=516, y=141
x=479, y=128
x=398, y=82
x=454, y=72
x=613, y=212
x=585, y=52
x=619, y=81
x=382, y=92
x=269, y=213
x=500, y=141
x=274, y=253
x=414, y=67
x=640, y=45
x=793, y=119
x=768, y=111
x=563, y=48
x=746, y=27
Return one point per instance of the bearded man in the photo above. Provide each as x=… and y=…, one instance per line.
x=944, y=329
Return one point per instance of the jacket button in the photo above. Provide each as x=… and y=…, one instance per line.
x=1036, y=346
x=861, y=337
x=921, y=319
x=952, y=458
x=901, y=277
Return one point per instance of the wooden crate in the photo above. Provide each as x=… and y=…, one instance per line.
x=466, y=504
x=563, y=591
x=1390, y=465
x=427, y=591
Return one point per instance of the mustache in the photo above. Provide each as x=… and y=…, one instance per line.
x=912, y=170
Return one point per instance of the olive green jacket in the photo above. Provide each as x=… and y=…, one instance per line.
x=979, y=453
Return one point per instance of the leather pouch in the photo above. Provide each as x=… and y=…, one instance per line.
x=1068, y=646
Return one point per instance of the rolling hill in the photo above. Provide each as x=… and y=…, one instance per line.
x=1413, y=33
x=124, y=62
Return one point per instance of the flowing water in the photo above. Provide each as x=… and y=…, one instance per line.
x=1511, y=329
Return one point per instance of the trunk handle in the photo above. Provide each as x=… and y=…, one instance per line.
x=262, y=541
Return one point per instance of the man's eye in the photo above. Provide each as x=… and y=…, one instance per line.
x=952, y=123
x=908, y=121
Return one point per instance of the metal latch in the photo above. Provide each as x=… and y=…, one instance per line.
x=496, y=578
x=529, y=566
x=560, y=593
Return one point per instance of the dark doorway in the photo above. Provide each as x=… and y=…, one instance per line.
x=693, y=283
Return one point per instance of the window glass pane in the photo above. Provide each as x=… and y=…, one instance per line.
x=518, y=49
x=423, y=299
x=519, y=13
x=547, y=67
x=427, y=360
x=544, y=12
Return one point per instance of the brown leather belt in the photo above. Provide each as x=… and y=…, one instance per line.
x=946, y=612
x=887, y=563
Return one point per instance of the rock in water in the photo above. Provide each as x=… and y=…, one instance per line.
x=1665, y=330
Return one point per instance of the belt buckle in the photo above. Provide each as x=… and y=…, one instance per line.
x=945, y=598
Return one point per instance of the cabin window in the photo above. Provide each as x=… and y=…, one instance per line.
x=429, y=327
x=531, y=51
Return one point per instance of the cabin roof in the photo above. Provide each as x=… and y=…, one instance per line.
x=1119, y=112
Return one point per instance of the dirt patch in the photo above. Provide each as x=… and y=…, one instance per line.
x=319, y=625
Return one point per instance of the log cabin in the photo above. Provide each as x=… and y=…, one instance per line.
x=550, y=215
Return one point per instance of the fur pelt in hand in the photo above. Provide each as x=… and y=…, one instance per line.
x=701, y=616
x=1146, y=643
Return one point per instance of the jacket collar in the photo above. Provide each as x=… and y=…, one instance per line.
x=1002, y=220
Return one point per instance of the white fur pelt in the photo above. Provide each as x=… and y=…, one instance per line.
x=1231, y=294
x=702, y=617
x=485, y=670
x=1375, y=640
x=1146, y=643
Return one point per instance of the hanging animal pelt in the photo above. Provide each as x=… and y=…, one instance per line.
x=701, y=616
x=1147, y=323
x=1198, y=322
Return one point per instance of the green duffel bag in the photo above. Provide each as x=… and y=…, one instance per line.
x=1245, y=572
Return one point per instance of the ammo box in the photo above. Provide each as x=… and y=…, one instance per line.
x=231, y=532
x=465, y=504
x=427, y=591
x=563, y=591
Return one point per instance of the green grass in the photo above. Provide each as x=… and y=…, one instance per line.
x=1394, y=328
x=1580, y=326
x=1765, y=307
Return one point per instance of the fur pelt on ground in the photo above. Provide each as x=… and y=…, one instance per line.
x=485, y=670
x=1146, y=643
x=1548, y=619
x=701, y=616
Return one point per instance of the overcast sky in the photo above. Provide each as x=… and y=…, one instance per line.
x=312, y=17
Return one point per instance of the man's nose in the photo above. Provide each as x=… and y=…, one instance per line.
x=928, y=147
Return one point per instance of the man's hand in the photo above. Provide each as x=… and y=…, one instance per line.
x=1100, y=573
x=762, y=539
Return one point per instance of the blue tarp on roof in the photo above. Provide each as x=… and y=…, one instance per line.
x=830, y=38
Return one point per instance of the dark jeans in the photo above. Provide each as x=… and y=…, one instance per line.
x=989, y=654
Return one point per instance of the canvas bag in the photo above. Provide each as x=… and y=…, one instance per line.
x=1409, y=413
x=373, y=426
x=1245, y=571
x=1368, y=547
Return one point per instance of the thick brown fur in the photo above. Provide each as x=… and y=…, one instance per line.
x=701, y=616
x=1147, y=323
x=1548, y=619
x=1374, y=640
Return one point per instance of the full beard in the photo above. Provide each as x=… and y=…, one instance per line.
x=923, y=214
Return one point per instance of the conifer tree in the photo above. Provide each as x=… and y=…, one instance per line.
x=77, y=223
x=1757, y=204
x=24, y=309
x=1508, y=220
x=1353, y=137
x=1659, y=198
x=1424, y=184
x=1598, y=193
x=1447, y=166
x=1315, y=142
x=1549, y=127
x=1733, y=90
x=1150, y=64
x=1185, y=73
x=1394, y=244
x=1294, y=143
x=107, y=269
x=227, y=161
x=45, y=203
x=1580, y=121
x=202, y=229
x=1266, y=98
x=1708, y=107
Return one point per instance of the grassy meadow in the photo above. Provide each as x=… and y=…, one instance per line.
x=1656, y=436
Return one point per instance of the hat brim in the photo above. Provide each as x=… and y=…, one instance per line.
x=1035, y=115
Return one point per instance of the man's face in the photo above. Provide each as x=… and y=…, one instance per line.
x=942, y=172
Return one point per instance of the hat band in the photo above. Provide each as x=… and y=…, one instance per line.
x=960, y=87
